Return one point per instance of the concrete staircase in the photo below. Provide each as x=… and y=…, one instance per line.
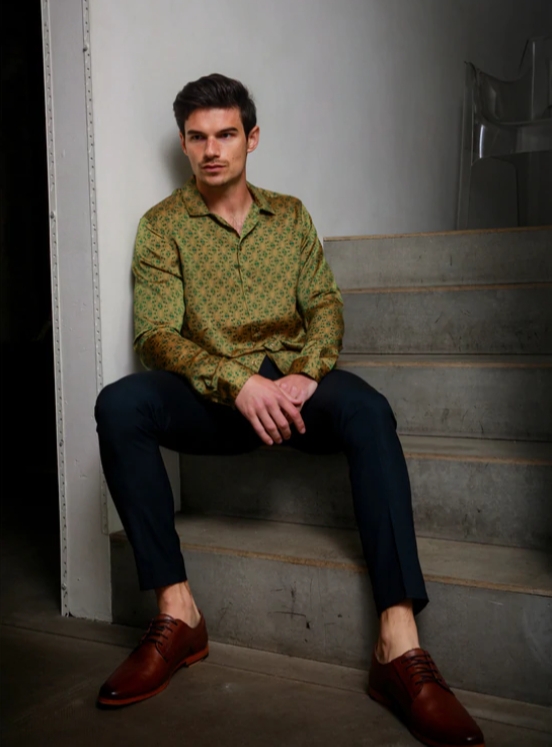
x=456, y=330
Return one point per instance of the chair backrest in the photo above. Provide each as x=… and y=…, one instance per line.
x=502, y=101
x=537, y=57
x=526, y=98
x=503, y=118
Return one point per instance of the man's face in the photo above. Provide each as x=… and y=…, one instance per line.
x=217, y=147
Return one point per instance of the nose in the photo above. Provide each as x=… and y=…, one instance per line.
x=212, y=149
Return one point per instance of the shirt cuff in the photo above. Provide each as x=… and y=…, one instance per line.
x=310, y=366
x=232, y=376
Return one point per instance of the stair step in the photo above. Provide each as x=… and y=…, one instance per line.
x=479, y=396
x=463, y=489
x=448, y=258
x=304, y=591
x=499, y=710
x=471, y=319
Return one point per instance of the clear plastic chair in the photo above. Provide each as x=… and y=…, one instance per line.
x=504, y=118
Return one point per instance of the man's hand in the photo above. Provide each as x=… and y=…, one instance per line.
x=298, y=387
x=269, y=409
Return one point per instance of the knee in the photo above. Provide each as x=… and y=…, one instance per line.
x=380, y=407
x=372, y=406
x=119, y=403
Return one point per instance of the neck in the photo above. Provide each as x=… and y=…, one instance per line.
x=228, y=199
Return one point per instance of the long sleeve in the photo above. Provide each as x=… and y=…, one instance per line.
x=159, y=309
x=320, y=304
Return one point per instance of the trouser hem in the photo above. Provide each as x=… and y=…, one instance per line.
x=149, y=582
x=419, y=603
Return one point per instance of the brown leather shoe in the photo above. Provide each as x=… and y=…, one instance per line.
x=168, y=645
x=416, y=692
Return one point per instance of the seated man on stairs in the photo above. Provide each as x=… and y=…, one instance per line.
x=239, y=320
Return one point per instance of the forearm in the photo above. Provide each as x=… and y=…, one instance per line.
x=324, y=339
x=321, y=306
x=217, y=378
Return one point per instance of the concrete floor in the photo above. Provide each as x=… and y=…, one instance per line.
x=52, y=668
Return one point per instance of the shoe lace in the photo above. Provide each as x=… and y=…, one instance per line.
x=157, y=632
x=422, y=668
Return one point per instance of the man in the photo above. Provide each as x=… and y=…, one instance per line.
x=239, y=321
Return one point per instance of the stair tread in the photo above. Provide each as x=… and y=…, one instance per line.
x=446, y=259
x=447, y=287
x=347, y=360
x=463, y=449
x=498, y=397
x=445, y=561
x=479, y=449
x=453, y=233
x=502, y=320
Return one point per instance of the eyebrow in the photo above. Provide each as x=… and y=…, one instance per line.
x=220, y=132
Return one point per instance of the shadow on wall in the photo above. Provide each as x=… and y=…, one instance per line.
x=178, y=166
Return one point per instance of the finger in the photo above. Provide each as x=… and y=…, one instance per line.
x=260, y=430
x=281, y=421
x=299, y=407
x=293, y=414
x=270, y=426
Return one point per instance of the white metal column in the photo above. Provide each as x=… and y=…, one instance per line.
x=85, y=570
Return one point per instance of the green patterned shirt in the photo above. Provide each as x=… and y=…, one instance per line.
x=210, y=304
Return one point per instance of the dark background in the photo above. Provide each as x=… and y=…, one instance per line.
x=28, y=424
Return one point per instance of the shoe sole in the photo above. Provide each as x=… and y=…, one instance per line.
x=187, y=662
x=387, y=703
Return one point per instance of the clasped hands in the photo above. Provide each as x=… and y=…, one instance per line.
x=272, y=407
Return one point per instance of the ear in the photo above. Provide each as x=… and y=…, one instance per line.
x=182, y=142
x=253, y=139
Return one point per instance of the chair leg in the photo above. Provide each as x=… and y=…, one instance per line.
x=522, y=187
x=466, y=152
x=462, y=219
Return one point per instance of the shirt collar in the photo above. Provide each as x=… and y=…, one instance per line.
x=196, y=206
x=260, y=199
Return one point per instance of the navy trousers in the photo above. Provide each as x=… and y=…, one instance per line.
x=141, y=412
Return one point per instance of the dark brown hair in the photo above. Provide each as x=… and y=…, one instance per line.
x=215, y=91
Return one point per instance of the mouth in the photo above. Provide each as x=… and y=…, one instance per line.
x=212, y=167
